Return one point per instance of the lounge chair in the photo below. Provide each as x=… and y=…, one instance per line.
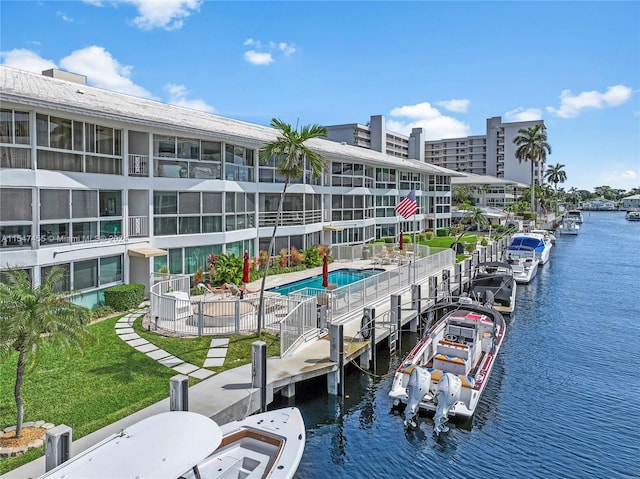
x=239, y=291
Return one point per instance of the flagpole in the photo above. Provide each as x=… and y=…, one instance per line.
x=415, y=250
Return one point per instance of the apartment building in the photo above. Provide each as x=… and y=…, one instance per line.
x=113, y=187
x=491, y=154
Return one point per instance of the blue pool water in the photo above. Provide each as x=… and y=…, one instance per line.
x=341, y=277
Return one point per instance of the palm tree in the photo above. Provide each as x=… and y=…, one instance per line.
x=290, y=154
x=32, y=316
x=532, y=146
x=555, y=174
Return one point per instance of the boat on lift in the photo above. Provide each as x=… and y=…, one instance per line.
x=448, y=370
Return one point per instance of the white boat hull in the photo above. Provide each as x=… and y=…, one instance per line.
x=469, y=355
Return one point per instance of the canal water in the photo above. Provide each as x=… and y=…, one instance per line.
x=563, y=400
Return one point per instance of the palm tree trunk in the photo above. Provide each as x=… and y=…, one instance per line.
x=270, y=252
x=22, y=361
x=533, y=191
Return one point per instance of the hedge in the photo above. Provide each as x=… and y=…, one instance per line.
x=124, y=297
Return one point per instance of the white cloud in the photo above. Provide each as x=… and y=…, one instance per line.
x=621, y=177
x=64, y=17
x=103, y=71
x=286, y=48
x=457, y=106
x=571, y=105
x=257, y=58
x=178, y=96
x=263, y=54
x=423, y=115
x=26, y=60
x=167, y=14
x=523, y=114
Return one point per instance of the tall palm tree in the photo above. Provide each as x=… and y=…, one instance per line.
x=532, y=146
x=290, y=154
x=32, y=316
x=555, y=174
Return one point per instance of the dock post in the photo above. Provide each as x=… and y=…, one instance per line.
x=57, y=446
x=335, y=379
x=416, y=301
x=475, y=259
x=259, y=371
x=446, y=282
x=396, y=310
x=179, y=393
x=433, y=289
x=371, y=313
x=457, y=277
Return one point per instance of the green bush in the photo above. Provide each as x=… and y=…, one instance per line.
x=102, y=311
x=407, y=239
x=440, y=232
x=428, y=235
x=124, y=297
x=389, y=240
x=484, y=242
x=312, y=257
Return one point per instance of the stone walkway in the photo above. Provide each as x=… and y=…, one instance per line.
x=215, y=356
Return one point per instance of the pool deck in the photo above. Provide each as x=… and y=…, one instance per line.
x=228, y=395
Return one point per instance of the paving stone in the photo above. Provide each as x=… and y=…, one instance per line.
x=218, y=342
x=185, y=368
x=158, y=354
x=128, y=337
x=137, y=342
x=170, y=361
x=145, y=348
x=213, y=362
x=125, y=325
x=217, y=353
x=201, y=373
x=122, y=331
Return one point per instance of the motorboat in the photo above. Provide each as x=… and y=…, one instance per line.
x=447, y=371
x=188, y=445
x=575, y=215
x=536, y=242
x=548, y=235
x=524, y=264
x=632, y=215
x=569, y=226
x=494, y=285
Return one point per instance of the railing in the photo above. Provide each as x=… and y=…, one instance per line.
x=138, y=165
x=289, y=218
x=301, y=322
x=166, y=307
x=138, y=226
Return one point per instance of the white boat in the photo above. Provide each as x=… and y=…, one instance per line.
x=575, y=215
x=494, y=284
x=447, y=371
x=548, y=235
x=188, y=445
x=632, y=215
x=569, y=226
x=536, y=242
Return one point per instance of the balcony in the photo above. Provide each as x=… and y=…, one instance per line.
x=138, y=165
x=289, y=218
x=138, y=226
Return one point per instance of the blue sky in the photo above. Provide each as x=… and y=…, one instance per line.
x=444, y=66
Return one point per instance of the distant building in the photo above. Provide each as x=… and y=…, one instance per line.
x=489, y=191
x=630, y=202
x=492, y=154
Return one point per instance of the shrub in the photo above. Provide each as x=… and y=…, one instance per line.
x=229, y=268
x=102, y=311
x=312, y=257
x=124, y=297
x=440, y=232
x=389, y=240
x=484, y=242
x=470, y=247
x=429, y=235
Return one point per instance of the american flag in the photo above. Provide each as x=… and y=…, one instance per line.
x=408, y=207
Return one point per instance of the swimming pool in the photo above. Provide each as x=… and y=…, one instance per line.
x=341, y=277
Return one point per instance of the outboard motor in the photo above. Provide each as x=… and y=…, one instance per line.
x=448, y=394
x=417, y=388
x=489, y=298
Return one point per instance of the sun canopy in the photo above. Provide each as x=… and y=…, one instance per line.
x=147, y=252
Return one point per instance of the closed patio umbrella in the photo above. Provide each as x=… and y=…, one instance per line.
x=325, y=271
x=401, y=245
x=245, y=269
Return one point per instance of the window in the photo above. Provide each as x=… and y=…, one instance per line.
x=64, y=284
x=16, y=204
x=110, y=269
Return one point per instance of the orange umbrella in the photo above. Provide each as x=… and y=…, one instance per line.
x=325, y=271
x=401, y=241
x=245, y=269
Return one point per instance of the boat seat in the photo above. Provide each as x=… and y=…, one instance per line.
x=466, y=381
x=451, y=364
x=451, y=348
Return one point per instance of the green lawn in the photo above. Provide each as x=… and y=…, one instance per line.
x=447, y=241
x=111, y=380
